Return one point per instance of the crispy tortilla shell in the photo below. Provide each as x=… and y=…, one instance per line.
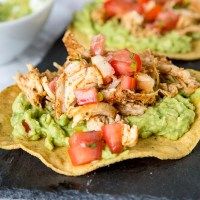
x=58, y=159
x=193, y=55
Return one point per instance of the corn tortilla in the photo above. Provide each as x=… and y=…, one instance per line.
x=58, y=159
x=193, y=55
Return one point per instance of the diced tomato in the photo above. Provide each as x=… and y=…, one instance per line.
x=124, y=62
x=52, y=85
x=128, y=83
x=123, y=55
x=119, y=7
x=142, y=1
x=85, y=138
x=138, y=62
x=83, y=155
x=86, y=96
x=26, y=126
x=167, y=20
x=153, y=13
x=138, y=8
x=85, y=147
x=112, y=134
x=97, y=45
x=122, y=68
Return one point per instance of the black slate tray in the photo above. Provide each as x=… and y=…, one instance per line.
x=25, y=177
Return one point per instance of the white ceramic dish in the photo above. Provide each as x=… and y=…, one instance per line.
x=17, y=35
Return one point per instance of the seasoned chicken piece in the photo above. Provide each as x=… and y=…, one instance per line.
x=30, y=84
x=195, y=5
x=85, y=112
x=188, y=22
x=132, y=21
x=128, y=96
x=45, y=84
x=92, y=78
x=96, y=123
x=150, y=66
x=131, y=109
x=59, y=96
x=145, y=83
x=74, y=49
x=103, y=66
x=77, y=75
x=183, y=77
x=129, y=136
x=137, y=98
x=170, y=90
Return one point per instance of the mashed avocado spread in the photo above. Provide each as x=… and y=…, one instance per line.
x=14, y=9
x=118, y=37
x=170, y=118
x=41, y=124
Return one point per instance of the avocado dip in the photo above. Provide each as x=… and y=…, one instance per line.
x=118, y=37
x=170, y=118
x=33, y=123
x=14, y=9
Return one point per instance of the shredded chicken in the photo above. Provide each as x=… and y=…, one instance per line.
x=182, y=77
x=133, y=21
x=76, y=75
x=195, y=5
x=150, y=66
x=131, y=109
x=87, y=111
x=45, y=84
x=96, y=123
x=75, y=50
x=129, y=135
x=31, y=86
x=145, y=83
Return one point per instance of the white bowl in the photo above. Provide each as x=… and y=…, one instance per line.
x=17, y=35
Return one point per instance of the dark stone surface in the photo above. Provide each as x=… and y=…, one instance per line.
x=25, y=177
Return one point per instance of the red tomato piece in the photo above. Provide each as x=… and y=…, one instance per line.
x=85, y=138
x=122, y=68
x=123, y=55
x=86, y=96
x=138, y=62
x=121, y=62
x=85, y=147
x=124, y=62
x=112, y=134
x=153, y=13
x=142, y=1
x=128, y=83
x=167, y=20
x=97, y=45
x=83, y=155
x=119, y=7
x=26, y=126
x=52, y=85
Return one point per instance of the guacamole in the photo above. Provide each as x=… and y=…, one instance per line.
x=170, y=118
x=118, y=37
x=14, y=9
x=41, y=124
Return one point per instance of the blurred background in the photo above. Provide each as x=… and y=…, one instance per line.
x=57, y=21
